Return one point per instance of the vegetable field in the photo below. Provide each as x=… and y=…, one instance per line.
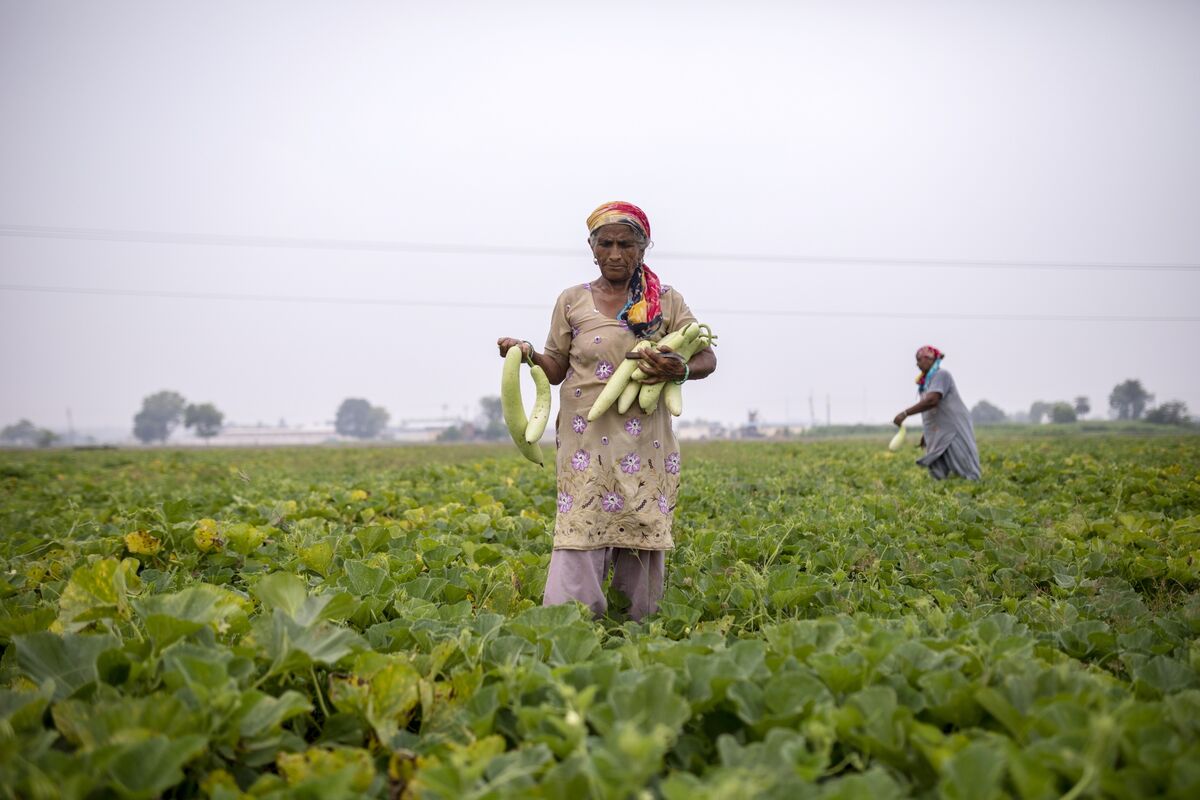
x=333, y=623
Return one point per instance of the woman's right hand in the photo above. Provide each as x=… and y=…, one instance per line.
x=506, y=342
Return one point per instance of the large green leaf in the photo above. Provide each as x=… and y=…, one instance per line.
x=99, y=591
x=260, y=713
x=975, y=772
x=283, y=591
x=148, y=768
x=169, y=617
x=112, y=719
x=68, y=660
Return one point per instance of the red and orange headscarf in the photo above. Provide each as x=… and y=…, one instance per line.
x=643, y=312
x=937, y=356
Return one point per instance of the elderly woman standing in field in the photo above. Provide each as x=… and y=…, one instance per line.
x=618, y=476
x=949, y=436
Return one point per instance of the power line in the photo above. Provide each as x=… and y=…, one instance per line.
x=435, y=248
x=394, y=302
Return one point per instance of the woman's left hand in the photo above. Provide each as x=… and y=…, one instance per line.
x=660, y=367
x=899, y=420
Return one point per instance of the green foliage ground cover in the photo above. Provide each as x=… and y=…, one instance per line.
x=365, y=622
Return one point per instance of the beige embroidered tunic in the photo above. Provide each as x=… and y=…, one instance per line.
x=618, y=477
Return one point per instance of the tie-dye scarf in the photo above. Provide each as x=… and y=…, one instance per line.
x=924, y=377
x=643, y=311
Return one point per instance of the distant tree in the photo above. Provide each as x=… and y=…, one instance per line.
x=159, y=416
x=984, y=413
x=1062, y=412
x=1083, y=406
x=1039, y=411
x=1129, y=399
x=27, y=434
x=451, y=434
x=358, y=418
x=493, y=418
x=1172, y=413
x=205, y=418
x=23, y=432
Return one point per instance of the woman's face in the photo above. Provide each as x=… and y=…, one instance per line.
x=618, y=251
x=924, y=363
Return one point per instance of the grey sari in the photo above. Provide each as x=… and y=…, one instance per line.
x=949, y=434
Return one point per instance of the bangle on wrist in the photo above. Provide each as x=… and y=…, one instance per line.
x=687, y=373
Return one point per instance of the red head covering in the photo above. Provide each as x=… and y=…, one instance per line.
x=643, y=312
x=618, y=211
x=937, y=356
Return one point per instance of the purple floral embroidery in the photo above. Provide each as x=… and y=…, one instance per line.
x=578, y=392
x=565, y=501
x=580, y=460
x=633, y=426
x=578, y=424
x=604, y=370
x=657, y=444
x=663, y=506
x=597, y=340
x=612, y=502
x=630, y=463
x=623, y=325
x=603, y=440
x=672, y=463
x=574, y=331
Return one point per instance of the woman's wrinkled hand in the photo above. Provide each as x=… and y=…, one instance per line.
x=659, y=366
x=507, y=342
x=899, y=420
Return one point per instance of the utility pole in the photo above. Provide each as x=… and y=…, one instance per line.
x=812, y=411
x=828, y=415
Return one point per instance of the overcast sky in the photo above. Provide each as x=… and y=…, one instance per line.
x=950, y=132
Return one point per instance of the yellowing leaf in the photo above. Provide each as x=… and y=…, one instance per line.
x=99, y=591
x=350, y=763
x=142, y=543
x=207, y=537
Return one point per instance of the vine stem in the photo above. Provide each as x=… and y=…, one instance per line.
x=317, y=688
x=1085, y=781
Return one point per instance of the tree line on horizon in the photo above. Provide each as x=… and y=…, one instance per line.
x=1128, y=400
x=163, y=412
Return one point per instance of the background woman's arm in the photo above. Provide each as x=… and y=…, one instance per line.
x=930, y=400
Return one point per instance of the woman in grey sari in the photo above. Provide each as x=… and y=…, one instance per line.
x=949, y=436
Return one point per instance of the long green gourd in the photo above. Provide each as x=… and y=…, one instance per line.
x=628, y=397
x=672, y=398
x=514, y=408
x=541, y=406
x=616, y=384
x=650, y=393
x=672, y=341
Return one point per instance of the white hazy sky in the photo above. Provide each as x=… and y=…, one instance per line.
x=980, y=131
